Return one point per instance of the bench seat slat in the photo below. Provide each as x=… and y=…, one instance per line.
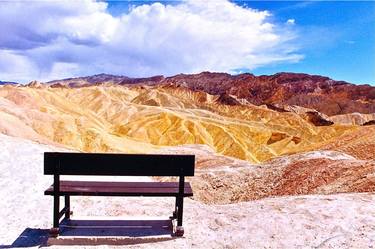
x=89, y=188
x=115, y=164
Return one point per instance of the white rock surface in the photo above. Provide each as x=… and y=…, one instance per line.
x=316, y=221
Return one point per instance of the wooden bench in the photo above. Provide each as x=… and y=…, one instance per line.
x=92, y=164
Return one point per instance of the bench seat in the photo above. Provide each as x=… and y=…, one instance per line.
x=94, y=188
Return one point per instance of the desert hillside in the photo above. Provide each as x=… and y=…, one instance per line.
x=280, y=90
x=145, y=119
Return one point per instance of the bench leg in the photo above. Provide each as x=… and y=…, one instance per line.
x=180, y=208
x=56, y=218
x=67, y=206
x=174, y=215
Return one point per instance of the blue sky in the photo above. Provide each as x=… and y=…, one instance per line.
x=144, y=38
x=343, y=46
x=336, y=38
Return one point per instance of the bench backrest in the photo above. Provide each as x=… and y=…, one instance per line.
x=62, y=163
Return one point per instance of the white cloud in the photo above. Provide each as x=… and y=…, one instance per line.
x=47, y=40
x=291, y=21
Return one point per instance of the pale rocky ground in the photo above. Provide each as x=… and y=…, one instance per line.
x=353, y=118
x=313, y=221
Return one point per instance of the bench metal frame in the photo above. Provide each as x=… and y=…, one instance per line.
x=61, y=163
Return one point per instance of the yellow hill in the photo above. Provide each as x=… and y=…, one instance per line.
x=145, y=119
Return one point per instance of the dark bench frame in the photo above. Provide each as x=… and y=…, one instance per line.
x=61, y=163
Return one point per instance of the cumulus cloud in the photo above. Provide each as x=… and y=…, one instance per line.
x=46, y=40
x=291, y=21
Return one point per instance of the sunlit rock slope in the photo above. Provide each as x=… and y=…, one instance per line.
x=145, y=119
x=317, y=92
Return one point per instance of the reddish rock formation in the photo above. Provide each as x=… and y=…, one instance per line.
x=226, y=99
x=312, y=91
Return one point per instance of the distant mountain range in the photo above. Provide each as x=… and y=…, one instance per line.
x=298, y=150
x=282, y=89
x=7, y=83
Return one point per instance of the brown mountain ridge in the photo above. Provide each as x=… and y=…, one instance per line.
x=282, y=89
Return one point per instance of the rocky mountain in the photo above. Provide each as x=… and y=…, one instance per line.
x=144, y=119
x=7, y=83
x=282, y=89
x=320, y=93
x=88, y=80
